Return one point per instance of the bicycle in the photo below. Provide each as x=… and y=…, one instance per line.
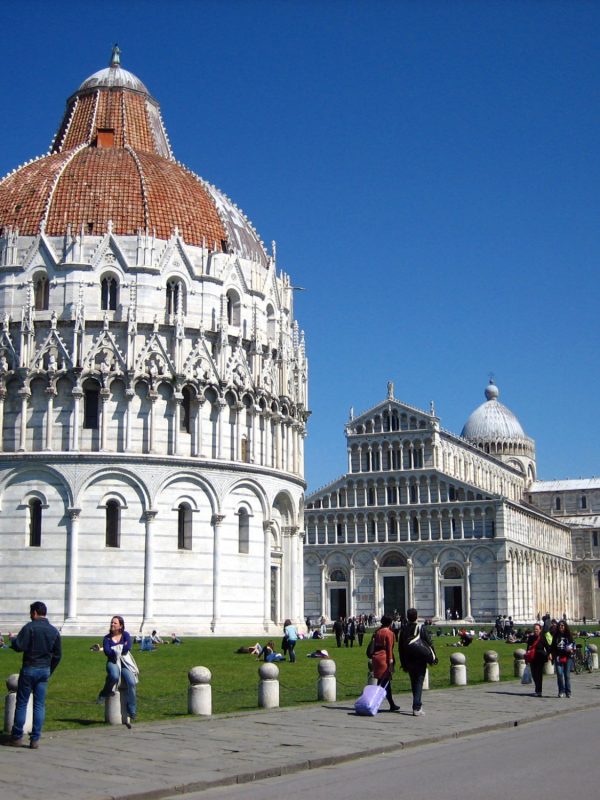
x=583, y=660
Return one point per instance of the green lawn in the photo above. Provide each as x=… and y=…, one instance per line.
x=162, y=692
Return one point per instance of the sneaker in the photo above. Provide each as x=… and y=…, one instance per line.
x=562, y=694
x=16, y=742
x=34, y=744
x=419, y=713
x=394, y=708
x=537, y=694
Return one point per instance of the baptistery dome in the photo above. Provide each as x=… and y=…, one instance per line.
x=494, y=428
x=111, y=163
x=153, y=386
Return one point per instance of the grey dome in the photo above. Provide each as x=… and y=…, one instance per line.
x=113, y=76
x=492, y=420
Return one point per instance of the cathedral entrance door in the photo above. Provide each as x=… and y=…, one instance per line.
x=394, y=594
x=453, y=601
x=337, y=603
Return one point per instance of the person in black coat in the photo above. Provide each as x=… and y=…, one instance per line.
x=538, y=652
x=411, y=660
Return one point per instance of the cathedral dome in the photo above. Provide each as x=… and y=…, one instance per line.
x=492, y=420
x=111, y=165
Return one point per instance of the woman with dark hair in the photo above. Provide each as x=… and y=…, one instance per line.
x=290, y=634
x=382, y=660
x=120, y=665
x=413, y=659
x=563, y=648
x=538, y=652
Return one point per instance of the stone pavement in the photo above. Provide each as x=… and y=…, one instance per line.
x=160, y=759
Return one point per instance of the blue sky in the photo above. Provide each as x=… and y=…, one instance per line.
x=429, y=170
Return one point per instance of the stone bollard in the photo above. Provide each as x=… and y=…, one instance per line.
x=426, y=679
x=326, y=685
x=10, y=704
x=594, y=652
x=519, y=668
x=115, y=708
x=491, y=667
x=200, y=692
x=268, y=686
x=458, y=669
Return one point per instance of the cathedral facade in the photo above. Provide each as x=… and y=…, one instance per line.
x=153, y=387
x=458, y=526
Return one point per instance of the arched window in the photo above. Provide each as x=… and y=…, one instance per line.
x=35, y=522
x=337, y=575
x=113, y=524
x=243, y=531
x=557, y=503
x=394, y=560
x=184, y=417
x=415, y=526
x=109, y=293
x=233, y=308
x=583, y=501
x=41, y=292
x=184, y=527
x=91, y=406
x=452, y=573
x=271, y=323
x=174, y=298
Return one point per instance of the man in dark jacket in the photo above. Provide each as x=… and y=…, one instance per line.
x=412, y=658
x=41, y=647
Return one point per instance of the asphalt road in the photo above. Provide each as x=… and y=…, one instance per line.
x=553, y=759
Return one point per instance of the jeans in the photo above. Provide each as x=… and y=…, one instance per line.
x=31, y=679
x=417, y=676
x=291, y=648
x=110, y=686
x=563, y=677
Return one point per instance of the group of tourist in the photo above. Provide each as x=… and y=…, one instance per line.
x=41, y=645
x=348, y=629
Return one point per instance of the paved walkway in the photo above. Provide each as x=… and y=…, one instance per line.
x=159, y=759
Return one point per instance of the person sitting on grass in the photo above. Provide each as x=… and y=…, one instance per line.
x=175, y=639
x=269, y=653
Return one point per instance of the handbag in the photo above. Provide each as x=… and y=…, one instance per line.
x=371, y=647
x=530, y=652
x=420, y=650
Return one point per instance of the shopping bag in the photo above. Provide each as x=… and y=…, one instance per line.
x=526, y=677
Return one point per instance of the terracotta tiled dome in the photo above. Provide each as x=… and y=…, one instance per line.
x=111, y=161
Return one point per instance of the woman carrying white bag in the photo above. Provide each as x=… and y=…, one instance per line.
x=120, y=665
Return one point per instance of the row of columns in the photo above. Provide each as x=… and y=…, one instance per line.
x=392, y=529
x=293, y=608
x=539, y=591
x=278, y=444
x=370, y=457
x=426, y=491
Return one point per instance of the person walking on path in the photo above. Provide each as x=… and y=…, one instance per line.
x=562, y=648
x=382, y=660
x=290, y=633
x=413, y=661
x=538, y=652
x=41, y=647
x=120, y=666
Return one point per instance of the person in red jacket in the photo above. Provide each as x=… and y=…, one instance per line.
x=382, y=660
